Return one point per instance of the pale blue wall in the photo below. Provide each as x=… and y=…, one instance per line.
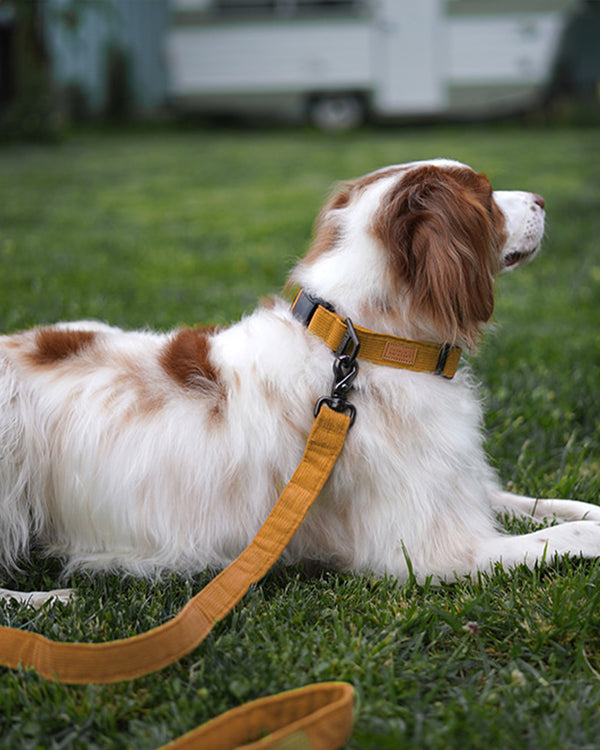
x=78, y=45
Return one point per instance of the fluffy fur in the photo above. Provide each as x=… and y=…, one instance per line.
x=145, y=452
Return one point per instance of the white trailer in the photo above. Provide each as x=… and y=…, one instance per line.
x=339, y=60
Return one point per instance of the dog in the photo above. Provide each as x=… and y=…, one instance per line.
x=147, y=452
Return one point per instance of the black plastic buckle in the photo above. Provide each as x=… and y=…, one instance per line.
x=305, y=306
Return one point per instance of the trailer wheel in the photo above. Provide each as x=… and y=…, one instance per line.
x=337, y=112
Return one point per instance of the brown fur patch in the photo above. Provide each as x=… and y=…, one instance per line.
x=54, y=344
x=326, y=231
x=186, y=359
x=442, y=232
x=363, y=182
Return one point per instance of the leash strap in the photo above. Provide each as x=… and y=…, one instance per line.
x=319, y=712
x=316, y=717
x=379, y=348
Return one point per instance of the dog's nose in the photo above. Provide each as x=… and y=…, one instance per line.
x=538, y=200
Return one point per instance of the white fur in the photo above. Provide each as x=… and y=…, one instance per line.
x=106, y=460
x=525, y=225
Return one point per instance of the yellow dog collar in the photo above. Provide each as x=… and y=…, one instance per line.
x=379, y=348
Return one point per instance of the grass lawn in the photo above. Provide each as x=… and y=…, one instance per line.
x=161, y=228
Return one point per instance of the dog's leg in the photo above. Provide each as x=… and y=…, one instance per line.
x=576, y=538
x=562, y=510
x=36, y=599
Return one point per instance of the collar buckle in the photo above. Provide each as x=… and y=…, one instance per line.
x=305, y=306
x=381, y=349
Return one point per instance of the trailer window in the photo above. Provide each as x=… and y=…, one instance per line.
x=287, y=8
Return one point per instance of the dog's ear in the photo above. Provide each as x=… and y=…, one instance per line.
x=436, y=226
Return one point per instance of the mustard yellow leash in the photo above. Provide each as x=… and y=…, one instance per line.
x=317, y=717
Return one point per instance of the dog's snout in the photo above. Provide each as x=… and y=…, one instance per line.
x=538, y=200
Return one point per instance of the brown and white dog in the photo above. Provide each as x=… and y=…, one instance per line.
x=145, y=452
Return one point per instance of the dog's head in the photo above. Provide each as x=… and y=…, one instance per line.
x=416, y=247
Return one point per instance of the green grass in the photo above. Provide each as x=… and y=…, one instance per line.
x=161, y=228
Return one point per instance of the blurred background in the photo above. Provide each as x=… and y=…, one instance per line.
x=334, y=63
x=124, y=198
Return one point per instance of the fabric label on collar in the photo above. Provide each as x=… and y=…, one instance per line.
x=399, y=353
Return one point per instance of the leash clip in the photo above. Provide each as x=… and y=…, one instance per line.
x=345, y=370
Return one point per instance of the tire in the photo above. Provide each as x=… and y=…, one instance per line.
x=337, y=112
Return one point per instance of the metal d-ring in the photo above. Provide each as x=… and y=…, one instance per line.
x=345, y=370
